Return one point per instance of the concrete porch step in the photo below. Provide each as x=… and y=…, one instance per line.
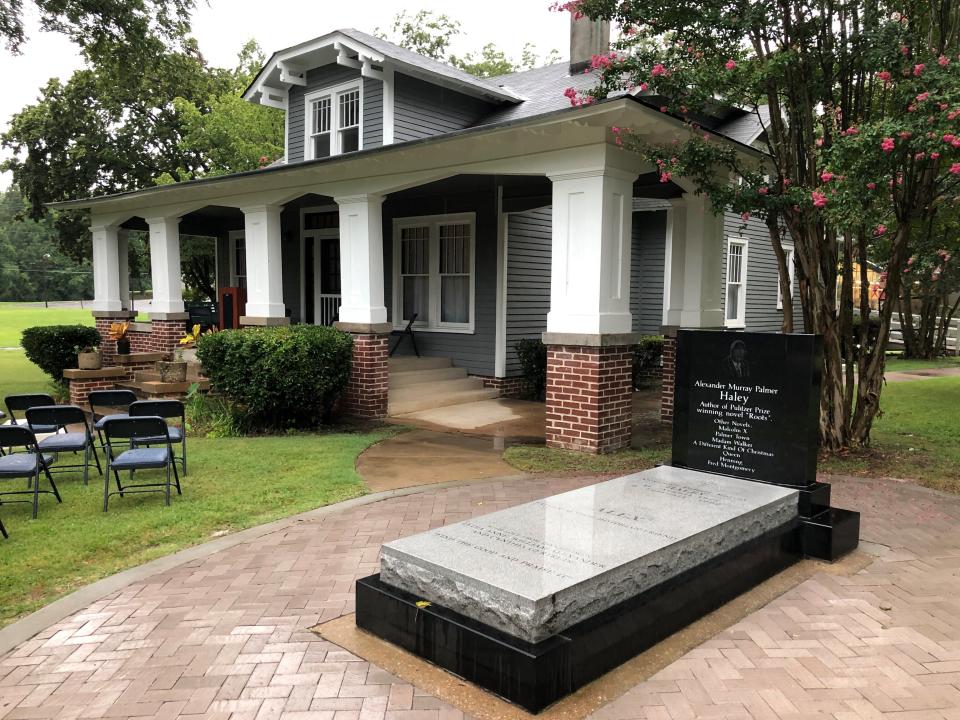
x=411, y=398
x=406, y=363
x=405, y=378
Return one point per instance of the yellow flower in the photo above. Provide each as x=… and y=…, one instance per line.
x=191, y=337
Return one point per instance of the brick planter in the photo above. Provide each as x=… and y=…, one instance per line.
x=589, y=397
x=83, y=381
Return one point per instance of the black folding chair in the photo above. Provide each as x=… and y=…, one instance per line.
x=137, y=434
x=117, y=401
x=406, y=332
x=63, y=416
x=166, y=409
x=28, y=463
x=22, y=403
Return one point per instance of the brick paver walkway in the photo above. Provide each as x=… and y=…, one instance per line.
x=224, y=637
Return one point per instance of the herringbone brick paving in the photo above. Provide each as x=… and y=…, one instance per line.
x=225, y=636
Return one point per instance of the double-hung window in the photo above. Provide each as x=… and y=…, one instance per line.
x=736, y=295
x=790, y=272
x=333, y=121
x=434, y=272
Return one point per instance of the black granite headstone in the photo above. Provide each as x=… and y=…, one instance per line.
x=748, y=405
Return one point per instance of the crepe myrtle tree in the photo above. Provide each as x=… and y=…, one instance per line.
x=860, y=103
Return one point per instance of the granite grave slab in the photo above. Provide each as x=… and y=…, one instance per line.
x=536, y=569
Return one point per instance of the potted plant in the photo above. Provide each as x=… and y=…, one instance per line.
x=119, y=332
x=175, y=370
x=89, y=358
x=188, y=344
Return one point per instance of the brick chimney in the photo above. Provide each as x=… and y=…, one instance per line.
x=587, y=38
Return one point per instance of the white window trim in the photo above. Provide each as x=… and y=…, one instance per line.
x=791, y=271
x=232, y=238
x=741, y=320
x=333, y=91
x=434, y=221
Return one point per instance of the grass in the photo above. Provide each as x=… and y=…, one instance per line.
x=14, y=317
x=19, y=375
x=916, y=438
x=896, y=364
x=234, y=483
x=539, y=459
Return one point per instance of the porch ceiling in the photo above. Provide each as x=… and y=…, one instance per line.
x=532, y=146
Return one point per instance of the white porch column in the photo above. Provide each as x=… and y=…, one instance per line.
x=123, y=265
x=694, y=264
x=106, y=268
x=264, y=265
x=361, y=260
x=165, y=266
x=590, y=273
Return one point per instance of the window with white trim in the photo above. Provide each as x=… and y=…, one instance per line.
x=333, y=121
x=736, y=290
x=434, y=272
x=790, y=272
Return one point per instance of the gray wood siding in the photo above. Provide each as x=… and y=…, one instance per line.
x=372, y=113
x=317, y=79
x=422, y=109
x=762, y=314
x=528, y=279
x=646, y=271
x=473, y=351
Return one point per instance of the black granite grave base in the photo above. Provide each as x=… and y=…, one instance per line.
x=830, y=534
x=535, y=675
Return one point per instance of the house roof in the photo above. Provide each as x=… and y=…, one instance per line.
x=377, y=51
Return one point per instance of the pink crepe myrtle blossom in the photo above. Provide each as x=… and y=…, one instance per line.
x=923, y=97
x=885, y=76
x=731, y=64
x=763, y=190
x=663, y=108
x=659, y=70
x=879, y=230
x=944, y=255
x=819, y=142
x=826, y=176
x=905, y=134
x=904, y=50
x=955, y=169
x=643, y=87
x=887, y=144
x=918, y=69
x=871, y=186
x=665, y=176
x=572, y=7
x=943, y=61
x=819, y=199
x=919, y=156
x=745, y=216
x=949, y=138
x=598, y=62
x=934, y=156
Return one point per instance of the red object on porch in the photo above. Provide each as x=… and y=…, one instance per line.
x=589, y=397
x=231, y=303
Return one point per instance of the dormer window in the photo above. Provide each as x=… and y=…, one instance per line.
x=333, y=121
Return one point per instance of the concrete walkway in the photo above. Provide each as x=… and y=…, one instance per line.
x=225, y=635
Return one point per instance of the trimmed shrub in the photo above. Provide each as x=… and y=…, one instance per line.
x=532, y=354
x=280, y=377
x=646, y=354
x=53, y=348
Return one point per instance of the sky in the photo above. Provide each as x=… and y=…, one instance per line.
x=222, y=26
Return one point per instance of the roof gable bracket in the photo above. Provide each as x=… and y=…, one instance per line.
x=344, y=59
x=368, y=71
x=273, y=97
x=292, y=74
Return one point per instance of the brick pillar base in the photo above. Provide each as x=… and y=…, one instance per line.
x=367, y=390
x=669, y=370
x=589, y=397
x=165, y=333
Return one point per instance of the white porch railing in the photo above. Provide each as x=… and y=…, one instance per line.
x=328, y=311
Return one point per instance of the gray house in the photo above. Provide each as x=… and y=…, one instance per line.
x=481, y=210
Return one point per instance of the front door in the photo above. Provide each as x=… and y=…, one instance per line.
x=321, y=267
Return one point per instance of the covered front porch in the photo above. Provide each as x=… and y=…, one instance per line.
x=432, y=232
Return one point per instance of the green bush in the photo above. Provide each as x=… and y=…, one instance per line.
x=646, y=354
x=532, y=354
x=280, y=377
x=53, y=348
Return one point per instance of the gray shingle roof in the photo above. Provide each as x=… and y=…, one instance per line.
x=542, y=89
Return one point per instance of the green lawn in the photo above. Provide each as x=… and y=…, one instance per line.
x=540, y=459
x=896, y=364
x=917, y=437
x=19, y=375
x=14, y=317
